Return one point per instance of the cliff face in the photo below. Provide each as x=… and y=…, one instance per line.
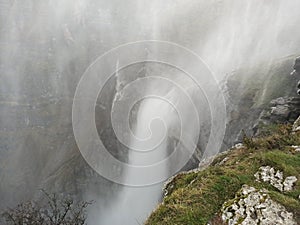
x=37, y=139
x=256, y=182
x=260, y=95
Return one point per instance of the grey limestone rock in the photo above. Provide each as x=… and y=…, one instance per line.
x=251, y=207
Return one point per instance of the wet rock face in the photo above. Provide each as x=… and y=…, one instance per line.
x=296, y=71
x=280, y=110
x=254, y=94
x=296, y=67
x=251, y=206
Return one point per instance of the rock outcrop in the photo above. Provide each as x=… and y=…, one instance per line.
x=296, y=125
x=260, y=95
x=251, y=206
x=280, y=110
x=275, y=178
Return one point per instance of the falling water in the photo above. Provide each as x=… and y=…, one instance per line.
x=135, y=203
x=155, y=117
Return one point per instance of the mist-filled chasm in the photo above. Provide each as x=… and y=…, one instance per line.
x=49, y=47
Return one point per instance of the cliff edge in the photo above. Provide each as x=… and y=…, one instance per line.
x=255, y=182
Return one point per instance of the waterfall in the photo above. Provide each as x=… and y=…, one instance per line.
x=155, y=116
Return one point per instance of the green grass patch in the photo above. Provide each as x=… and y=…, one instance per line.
x=197, y=197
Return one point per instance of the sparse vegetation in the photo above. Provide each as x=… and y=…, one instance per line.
x=56, y=211
x=197, y=197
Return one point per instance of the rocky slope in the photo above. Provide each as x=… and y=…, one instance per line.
x=256, y=182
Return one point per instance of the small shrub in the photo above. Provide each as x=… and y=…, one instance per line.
x=56, y=211
x=248, y=141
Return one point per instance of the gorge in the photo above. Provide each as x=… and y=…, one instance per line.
x=249, y=49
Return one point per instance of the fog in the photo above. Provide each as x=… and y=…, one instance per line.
x=45, y=48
